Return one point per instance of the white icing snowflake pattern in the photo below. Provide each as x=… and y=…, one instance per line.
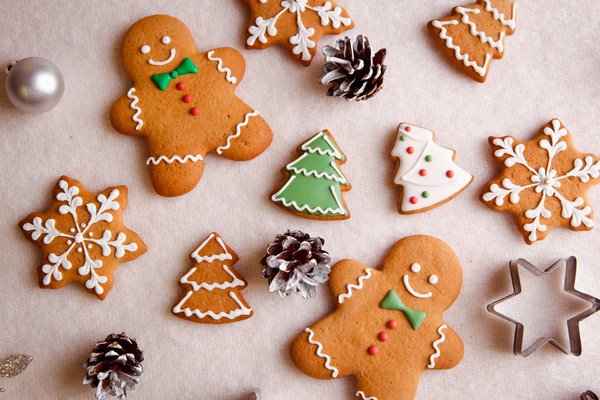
x=545, y=181
x=79, y=237
x=301, y=40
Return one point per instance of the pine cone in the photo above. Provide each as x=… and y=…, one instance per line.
x=588, y=395
x=296, y=262
x=352, y=69
x=114, y=366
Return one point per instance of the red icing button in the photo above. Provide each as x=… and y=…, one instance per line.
x=392, y=324
x=373, y=350
x=383, y=336
x=413, y=200
x=410, y=150
x=180, y=86
x=407, y=129
x=195, y=111
x=450, y=174
x=423, y=172
x=187, y=98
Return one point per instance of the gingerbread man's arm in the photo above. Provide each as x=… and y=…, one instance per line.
x=126, y=114
x=229, y=62
x=348, y=276
x=451, y=350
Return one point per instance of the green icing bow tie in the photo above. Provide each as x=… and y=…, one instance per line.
x=392, y=302
x=186, y=67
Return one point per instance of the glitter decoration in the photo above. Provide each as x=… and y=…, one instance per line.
x=13, y=365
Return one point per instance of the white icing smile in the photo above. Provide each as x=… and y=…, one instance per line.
x=412, y=291
x=168, y=60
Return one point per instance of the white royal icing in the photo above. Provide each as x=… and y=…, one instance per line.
x=238, y=131
x=311, y=334
x=436, y=182
x=154, y=161
x=220, y=67
x=435, y=346
x=511, y=23
x=340, y=178
x=243, y=310
x=413, y=292
x=481, y=70
x=168, y=60
x=135, y=107
x=340, y=210
x=349, y=288
x=361, y=394
x=221, y=257
x=496, y=44
x=225, y=285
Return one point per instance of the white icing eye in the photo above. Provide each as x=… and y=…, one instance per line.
x=433, y=279
x=166, y=40
x=415, y=267
x=145, y=49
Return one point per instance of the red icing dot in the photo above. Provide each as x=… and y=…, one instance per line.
x=413, y=200
x=450, y=174
x=410, y=150
x=195, y=111
x=187, y=98
x=407, y=129
x=180, y=86
x=392, y=324
x=423, y=172
x=383, y=336
x=373, y=350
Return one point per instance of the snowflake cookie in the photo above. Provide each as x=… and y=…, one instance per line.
x=296, y=24
x=82, y=237
x=544, y=182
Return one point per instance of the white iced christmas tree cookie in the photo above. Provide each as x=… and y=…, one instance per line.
x=425, y=172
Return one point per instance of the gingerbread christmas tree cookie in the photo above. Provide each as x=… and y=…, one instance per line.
x=544, y=182
x=82, y=237
x=475, y=34
x=425, y=171
x=214, y=288
x=314, y=184
x=183, y=103
x=296, y=24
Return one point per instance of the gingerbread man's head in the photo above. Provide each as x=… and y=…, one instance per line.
x=388, y=327
x=154, y=45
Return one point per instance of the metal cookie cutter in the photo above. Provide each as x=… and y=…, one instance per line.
x=572, y=323
x=254, y=395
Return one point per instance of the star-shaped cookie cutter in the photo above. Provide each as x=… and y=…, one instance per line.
x=569, y=287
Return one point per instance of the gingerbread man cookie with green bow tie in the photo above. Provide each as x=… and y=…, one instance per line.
x=183, y=103
x=388, y=325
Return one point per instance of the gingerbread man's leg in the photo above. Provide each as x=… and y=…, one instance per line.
x=247, y=139
x=175, y=176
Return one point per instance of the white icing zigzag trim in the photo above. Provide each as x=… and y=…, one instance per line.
x=464, y=58
x=225, y=285
x=499, y=45
x=332, y=153
x=341, y=179
x=435, y=346
x=135, y=107
x=238, y=131
x=154, y=161
x=311, y=334
x=230, y=315
x=220, y=67
x=341, y=297
x=511, y=23
x=221, y=257
x=340, y=210
x=361, y=394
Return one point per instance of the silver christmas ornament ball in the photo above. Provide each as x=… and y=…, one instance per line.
x=34, y=85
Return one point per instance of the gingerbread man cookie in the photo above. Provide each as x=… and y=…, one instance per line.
x=183, y=103
x=296, y=24
x=388, y=324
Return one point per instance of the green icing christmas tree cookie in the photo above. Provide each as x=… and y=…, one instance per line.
x=314, y=182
